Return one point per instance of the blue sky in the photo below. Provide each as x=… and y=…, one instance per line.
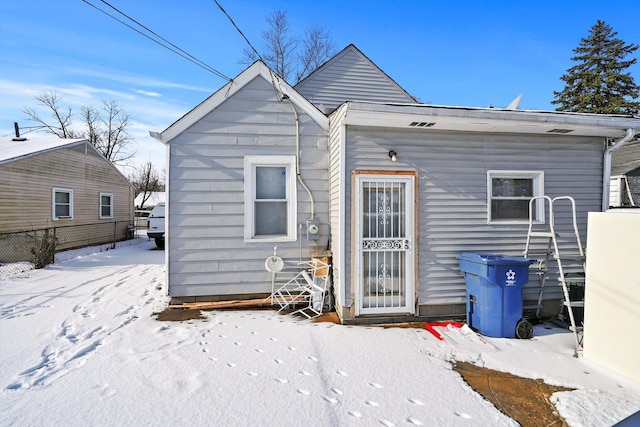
x=467, y=53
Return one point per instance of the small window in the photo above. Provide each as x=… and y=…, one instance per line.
x=62, y=203
x=270, y=198
x=106, y=205
x=509, y=193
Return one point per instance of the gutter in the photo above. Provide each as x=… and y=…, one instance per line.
x=606, y=173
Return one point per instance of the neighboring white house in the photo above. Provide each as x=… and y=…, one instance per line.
x=153, y=199
x=399, y=189
x=625, y=176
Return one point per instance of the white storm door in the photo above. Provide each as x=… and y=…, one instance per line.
x=385, y=258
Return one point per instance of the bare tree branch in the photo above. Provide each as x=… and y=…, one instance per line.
x=105, y=128
x=62, y=120
x=317, y=47
x=280, y=46
x=146, y=180
x=289, y=56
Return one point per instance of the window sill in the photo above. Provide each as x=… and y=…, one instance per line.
x=514, y=222
x=268, y=239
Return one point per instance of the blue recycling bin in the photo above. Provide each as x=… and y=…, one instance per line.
x=494, y=293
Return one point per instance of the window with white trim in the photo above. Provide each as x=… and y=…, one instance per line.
x=270, y=198
x=106, y=205
x=509, y=193
x=61, y=203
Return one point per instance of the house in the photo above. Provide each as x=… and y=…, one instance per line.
x=625, y=176
x=152, y=199
x=63, y=186
x=397, y=189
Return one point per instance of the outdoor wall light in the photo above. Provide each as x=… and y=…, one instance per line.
x=393, y=156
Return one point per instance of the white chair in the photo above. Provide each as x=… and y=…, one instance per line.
x=308, y=286
x=315, y=291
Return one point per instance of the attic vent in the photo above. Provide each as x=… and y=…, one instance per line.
x=560, y=130
x=422, y=124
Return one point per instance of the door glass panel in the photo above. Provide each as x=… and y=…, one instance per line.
x=384, y=244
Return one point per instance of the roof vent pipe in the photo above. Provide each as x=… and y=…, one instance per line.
x=16, y=128
x=606, y=173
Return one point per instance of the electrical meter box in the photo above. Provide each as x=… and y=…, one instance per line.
x=313, y=229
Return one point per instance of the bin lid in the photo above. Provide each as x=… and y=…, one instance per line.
x=494, y=259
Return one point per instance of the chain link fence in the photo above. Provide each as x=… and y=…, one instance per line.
x=24, y=250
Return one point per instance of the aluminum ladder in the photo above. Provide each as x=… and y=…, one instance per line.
x=571, y=267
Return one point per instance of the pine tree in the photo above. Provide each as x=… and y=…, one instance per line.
x=599, y=83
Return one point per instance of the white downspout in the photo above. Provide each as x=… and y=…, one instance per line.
x=606, y=173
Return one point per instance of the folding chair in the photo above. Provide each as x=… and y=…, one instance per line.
x=314, y=290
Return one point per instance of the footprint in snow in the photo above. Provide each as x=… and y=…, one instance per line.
x=252, y=374
x=337, y=391
x=416, y=402
x=463, y=415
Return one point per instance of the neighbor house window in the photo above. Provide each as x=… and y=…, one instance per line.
x=509, y=193
x=62, y=203
x=270, y=198
x=106, y=205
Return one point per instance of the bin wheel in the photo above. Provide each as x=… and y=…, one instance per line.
x=524, y=329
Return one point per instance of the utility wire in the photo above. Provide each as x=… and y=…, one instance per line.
x=240, y=31
x=175, y=49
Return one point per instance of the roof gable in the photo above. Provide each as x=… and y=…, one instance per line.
x=257, y=69
x=11, y=150
x=350, y=76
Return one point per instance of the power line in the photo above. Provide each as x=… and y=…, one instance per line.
x=172, y=47
x=240, y=31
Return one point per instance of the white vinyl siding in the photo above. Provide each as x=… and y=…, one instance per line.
x=270, y=198
x=209, y=254
x=509, y=193
x=452, y=194
x=350, y=76
x=106, y=205
x=61, y=203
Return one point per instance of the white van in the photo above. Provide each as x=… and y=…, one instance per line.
x=155, y=226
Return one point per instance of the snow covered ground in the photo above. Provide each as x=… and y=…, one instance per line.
x=79, y=346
